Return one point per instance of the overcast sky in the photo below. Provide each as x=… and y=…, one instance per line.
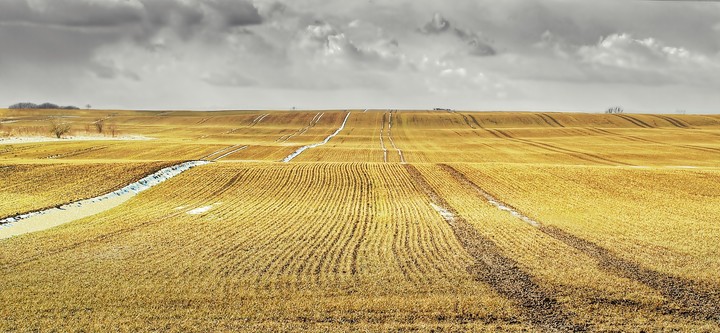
x=564, y=55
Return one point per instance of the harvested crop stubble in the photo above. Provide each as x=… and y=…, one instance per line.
x=363, y=248
x=688, y=298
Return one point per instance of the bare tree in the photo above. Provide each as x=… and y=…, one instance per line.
x=99, y=125
x=614, y=110
x=59, y=127
x=88, y=106
x=113, y=129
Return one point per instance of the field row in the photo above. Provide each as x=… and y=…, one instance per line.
x=398, y=136
x=368, y=244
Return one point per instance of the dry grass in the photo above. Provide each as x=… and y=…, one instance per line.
x=347, y=238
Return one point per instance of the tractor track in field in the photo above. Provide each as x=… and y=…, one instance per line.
x=227, y=186
x=299, y=151
x=236, y=149
x=548, y=119
x=502, y=273
x=467, y=120
x=252, y=123
x=634, y=138
x=475, y=121
x=202, y=121
x=588, y=157
x=314, y=121
x=77, y=152
x=382, y=142
x=491, y=132
x=223, y=152
x=634, y=121
x=675, y=122
x=259, y=119
x=691, y=299
x=390, y=137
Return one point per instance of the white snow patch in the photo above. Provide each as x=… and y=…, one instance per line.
x=504, y=207
x=34, y=139
x=512, y=211
x=198, y=211
x=392, y=142
x=129, y=190
x=304, y=148
x=446, y=214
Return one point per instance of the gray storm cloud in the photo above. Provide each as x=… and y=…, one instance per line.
x=474, y=54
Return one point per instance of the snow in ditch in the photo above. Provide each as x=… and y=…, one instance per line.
x=131, y=189
x=34, y=139
x=304, y=148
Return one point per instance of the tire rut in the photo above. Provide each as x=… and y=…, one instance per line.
x=502, y=273
x=588, y=157
x=549, y=120
x=227, y=186
x=675, y=122
x=635, y=121
x=691, y=299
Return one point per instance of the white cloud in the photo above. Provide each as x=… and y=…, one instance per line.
x=625, y=51
x=401, y=53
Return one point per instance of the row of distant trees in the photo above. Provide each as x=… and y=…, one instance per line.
x=615, y=110
x=46, y=105
x=619, y=109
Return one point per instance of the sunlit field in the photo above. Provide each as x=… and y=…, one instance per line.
x=370, y=220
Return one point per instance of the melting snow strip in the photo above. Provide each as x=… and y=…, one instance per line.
x=491, y=199
x=129, y=190
x=217, y=152
x=392, y=142
x=303, y=148
x=301, y=131
x=382, y=143
x=198, y=211
x=446, y=214
x=504, y=207
x=258, y=119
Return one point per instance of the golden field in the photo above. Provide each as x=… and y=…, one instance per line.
x=403, y=221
